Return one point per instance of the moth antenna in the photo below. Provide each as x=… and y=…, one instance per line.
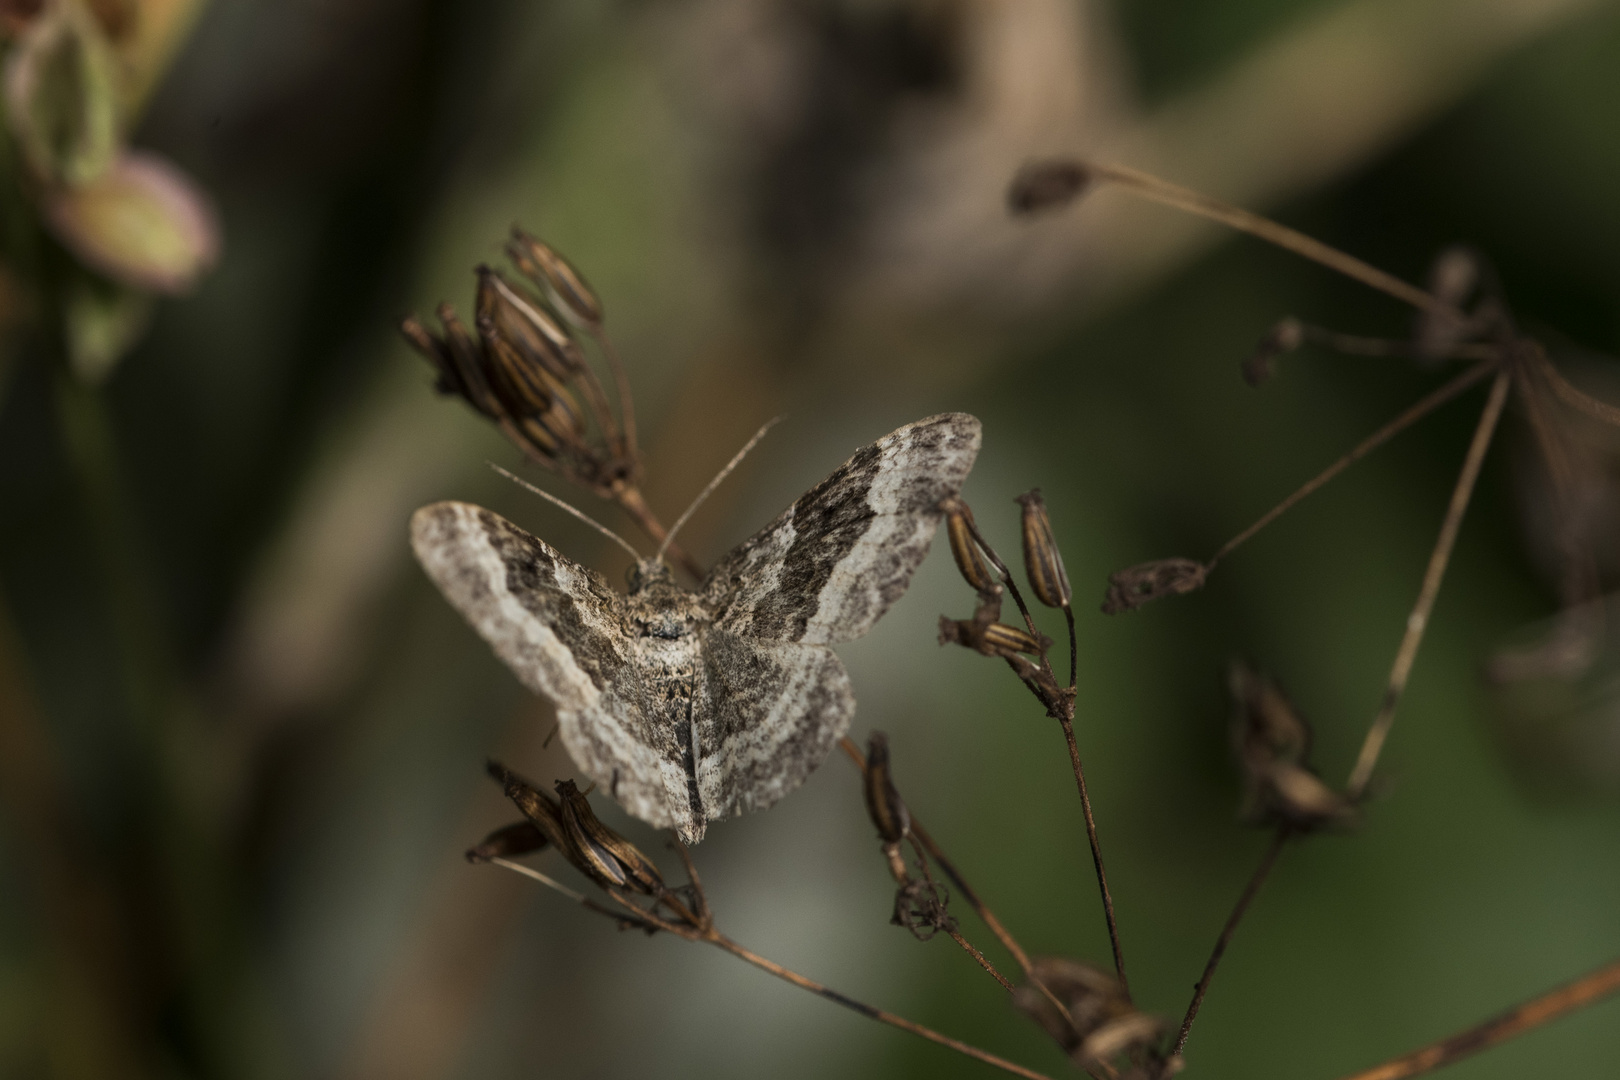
x=586, y=518
x=718, y=477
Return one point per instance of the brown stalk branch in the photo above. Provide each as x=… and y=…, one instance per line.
x=1096, y=856
x=1417, y=622
x=967, y=947
x=630, y=499
x=869, y=1011
x=1372, y=442
x=1193, y=202
x=1568, y=393
x=621, y=386
x=1584, y=991
x=1257, y=879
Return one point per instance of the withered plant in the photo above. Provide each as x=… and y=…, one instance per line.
x=524, y=369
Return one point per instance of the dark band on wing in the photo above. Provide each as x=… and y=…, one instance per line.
x=531, y=577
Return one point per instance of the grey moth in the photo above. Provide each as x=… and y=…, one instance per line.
x=689, y=707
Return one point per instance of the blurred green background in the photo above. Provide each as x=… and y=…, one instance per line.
x=245, y=736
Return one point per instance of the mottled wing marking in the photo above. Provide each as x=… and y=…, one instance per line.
x=774, y=714
x=559, y=628
x=833, y=562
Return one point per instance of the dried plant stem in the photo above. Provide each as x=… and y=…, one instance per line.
x=621, y=386
x=1096, y=856
x=1358, y=345
x=1405, y=420
x=1568, y=393
x=1417, y=622
x=980, y=908
x=1257, y=879
x=630, y=499
x=1193, y=202
x=967, y=947
x=869, y=1011
x=1589, y=988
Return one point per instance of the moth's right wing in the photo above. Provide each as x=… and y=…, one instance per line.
x=559, y=627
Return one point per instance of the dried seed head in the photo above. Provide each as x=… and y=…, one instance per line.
x=1273, y=743
x=993, y=639
x=1042, y=560
x=564, y=286
x=1046, y=185
x=1104, y=1023
x=883, y=803
x=524, y=321
x=536, y=805
x=1134, y=586
x=519, y=838
x=965, y=549
x=613, y=859
x=1285, y=337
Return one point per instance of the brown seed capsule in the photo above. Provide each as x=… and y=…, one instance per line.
x=1093, y=997
x=1001, y=638
x=1046, y=185
x=883, y=803
x=564, y=286
x=1042, y=560
x=1453, y=279
x=965, y=549
x=523, y=320
x=1285, y=337
x=519, y=838
x=536, y=805
x=1272, y=742
x=1134, y=586
x=614, y=858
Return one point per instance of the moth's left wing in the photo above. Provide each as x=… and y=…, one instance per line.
x=834, y=561
x=560, y=629
x=772, y=714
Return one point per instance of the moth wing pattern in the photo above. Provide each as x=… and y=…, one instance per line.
x=832, y=563
x=560, y=628
x=775, y=713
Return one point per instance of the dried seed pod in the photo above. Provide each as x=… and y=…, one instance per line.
x=1046, y=185
x=1453, y=279
x=519, y=838
x=883, y=803
x=614, y=858
x=1134, y=586
x=1285, y=337
x=965, y=549
x=1121, y=1035
x=993, y=639
x=536, y=805
x=523, y=320
x=1042, y=560
x=1092, y=996
x=565, y=287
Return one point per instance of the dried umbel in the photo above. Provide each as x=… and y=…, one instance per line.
x=1102, y=1025
x=1134, y=586
x=1273, y=742
x=1042, y=560
x=525, y=371
x=1046, y=185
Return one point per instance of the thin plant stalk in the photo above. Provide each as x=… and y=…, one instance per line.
x=1589, y=988
x=1418, y=621
x=1096, y=856
x=1418, y=411
x=1257, y=879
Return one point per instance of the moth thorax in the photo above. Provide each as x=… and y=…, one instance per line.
x=649, y=573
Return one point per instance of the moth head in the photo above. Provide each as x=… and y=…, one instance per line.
x=648, y=574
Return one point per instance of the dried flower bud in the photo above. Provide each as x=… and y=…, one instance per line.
x=612, y=858
x=1285, y=337
x=965, y=549
x=1046, y=185
x=564, y=286
x=883, y=803
x=1134, y=586
x=1453, y=278
x=1042, y=561
x=1273, y=742
x=519, y=838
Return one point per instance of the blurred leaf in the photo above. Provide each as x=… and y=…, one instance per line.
x=102, y=321
x=144, y=223
x=61, y=95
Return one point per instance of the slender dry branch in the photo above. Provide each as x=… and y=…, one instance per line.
x=621, y=386
x=1584, y=991
x=1417, y=622
x=967, y=947
x=1193, y=202
x=869, y=1011
x=1405, y=420
x=1571, y=395
x=629, y=497
x=1257, y=879
x=1096, y=856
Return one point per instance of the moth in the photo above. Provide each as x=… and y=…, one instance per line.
x=691, y=707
